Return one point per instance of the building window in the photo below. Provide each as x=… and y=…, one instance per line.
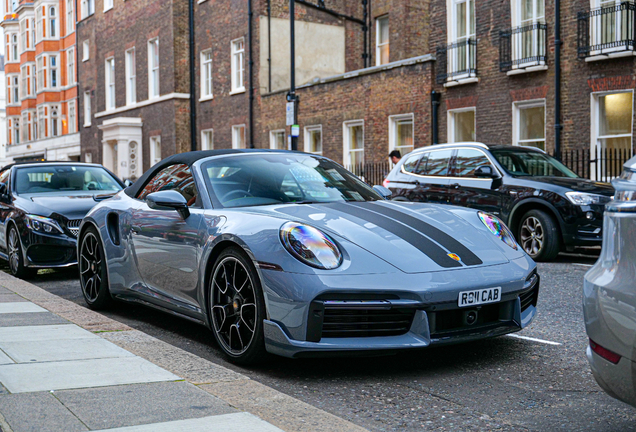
x=72, y=117
x=70, y=16
x=53, y=33
x=382, y=40
x=238, y=65
x=461, y=125
x=12, y=45
x=26, y=34
x=612, y=130
x=238, y=137
x=14, y=130
x=110, y=83
x=206, y=74
x=13, y=91
x=207, y=139
x=39, y=23
x=70, y=66
x=461, y=53
x=529, y=124
x=88, y=8
x=153, y=68
x=353, y=155
x=28, y=88
x=43, y=123
x=28, y=126
x=87, y=109
x=313, y=139
x=401, y=133
x=86, y=51
x=108, y=5
x=528, y=40
x=41, y=72
x=155, y=150
x=277, y=140
x=55, y=121
x=131, y=77
x=53, y=71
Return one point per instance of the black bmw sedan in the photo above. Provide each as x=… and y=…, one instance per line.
x=41, y=208
x=546, y=205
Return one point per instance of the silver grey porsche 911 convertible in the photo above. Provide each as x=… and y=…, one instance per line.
x=291, y=254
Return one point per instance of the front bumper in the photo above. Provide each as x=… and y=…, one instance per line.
x=48, y=251
x=307, y=328
x=579, y=230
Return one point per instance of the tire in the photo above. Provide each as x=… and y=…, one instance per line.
x=237, y=313
x=92, y=270
x=539, y=235
x=16, y=256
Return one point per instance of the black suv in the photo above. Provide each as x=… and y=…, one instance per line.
x=547, y=206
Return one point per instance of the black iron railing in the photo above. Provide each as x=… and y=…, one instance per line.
x=522, y=47
x=456, y=61
x=606, y=30
x=371, y=173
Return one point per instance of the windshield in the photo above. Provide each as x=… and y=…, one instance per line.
x=252, y=180
x=63, y=178
x=531, y=163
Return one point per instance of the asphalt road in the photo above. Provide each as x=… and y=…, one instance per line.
x=504, y=383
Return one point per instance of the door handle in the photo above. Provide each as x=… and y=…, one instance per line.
x=455, y=186
x=135, y=229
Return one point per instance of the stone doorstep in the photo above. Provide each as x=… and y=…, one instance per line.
x=277, y=408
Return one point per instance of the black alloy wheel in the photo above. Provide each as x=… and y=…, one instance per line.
x=16, y=258
x=539, y=235
x=92, y=268
x=237, y=307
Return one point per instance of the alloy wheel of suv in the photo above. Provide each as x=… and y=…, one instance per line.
x=539, y=235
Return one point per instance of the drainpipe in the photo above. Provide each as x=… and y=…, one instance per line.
x=250, y=70
x=365, y=31
x=193, y=103
x=557, y=79
x=291, y=96
x=435, y=103
x=269, y=46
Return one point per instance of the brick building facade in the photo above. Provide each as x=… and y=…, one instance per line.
x=363, y=93
x=40, y=78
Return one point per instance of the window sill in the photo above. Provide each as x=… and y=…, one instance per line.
x=237, y=91
x=85, y=60
x=527, y=70
x=610, y=55
x=87, y=125
x=207, y=98
x=461, y=81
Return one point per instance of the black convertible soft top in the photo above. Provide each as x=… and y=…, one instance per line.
x=187, y=158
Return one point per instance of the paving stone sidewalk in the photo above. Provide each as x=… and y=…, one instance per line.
x=66, y=368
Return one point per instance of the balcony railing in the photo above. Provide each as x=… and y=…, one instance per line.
x=457, y=61
x=523, y=47
x=607, y=30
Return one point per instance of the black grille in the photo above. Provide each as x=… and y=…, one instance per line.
x=528, y=299
x=454, y=320
x=73, y=226
x=341, y=322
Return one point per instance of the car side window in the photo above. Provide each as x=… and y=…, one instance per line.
x=175, y=177
x=438, y=163
x=420, y=169
x=468, y=160
x=4, y=178
x=411, y=163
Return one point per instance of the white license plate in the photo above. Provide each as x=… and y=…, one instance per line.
x=479, y=297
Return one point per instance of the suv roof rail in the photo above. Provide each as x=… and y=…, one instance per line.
x=476, y=144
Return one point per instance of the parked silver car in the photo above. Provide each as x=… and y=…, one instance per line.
x=609, y=302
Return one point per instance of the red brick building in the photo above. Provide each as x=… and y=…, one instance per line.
x=365, y=72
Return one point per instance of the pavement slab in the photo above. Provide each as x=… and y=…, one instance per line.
x=44, y=332
x=239, y=422
x=4, y=359
x=20, y=307
x=30, y=319
x=44, y=414
x=33, y=377
x=11, y=298
x=3, y=290
x=59, y=350
x=141, y=404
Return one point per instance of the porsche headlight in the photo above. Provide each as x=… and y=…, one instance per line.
x=498, y=228
x=42, y=224
x=581, y=198
x=310, y=246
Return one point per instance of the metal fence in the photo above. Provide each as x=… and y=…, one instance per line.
x=603, y=165
x=457, y=60
x=606, y=29
x=522, y=46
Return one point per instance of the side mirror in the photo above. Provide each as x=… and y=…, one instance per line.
x=485, y=171
x=168, y=200
x=128, y=183
x=384, y=192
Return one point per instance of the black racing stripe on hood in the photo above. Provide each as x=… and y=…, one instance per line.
x=409, y=235
x=467, y=257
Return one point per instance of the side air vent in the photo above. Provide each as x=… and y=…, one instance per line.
x=112, y=222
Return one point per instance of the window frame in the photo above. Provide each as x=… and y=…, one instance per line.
x=237, y=65
x=307, y=138
x=70, y=16
x=71, y=79
x=86, y=50
x=235, y=129
x=393, y=138
x=204, y=140
x=155, y=141
x=346, y=142
x=109, y=84
x=272, y=139
x=72, y=116
x=207, y=85
x=451, y=123
x=154, y=79
x=378, y=43
x=88, y=111
x=517, y=107
x=131, y=76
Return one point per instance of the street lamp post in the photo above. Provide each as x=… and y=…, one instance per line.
x=291, y=96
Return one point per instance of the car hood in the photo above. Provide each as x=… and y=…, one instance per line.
x=71, y=207
x=575, y=184
x=412, y=237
